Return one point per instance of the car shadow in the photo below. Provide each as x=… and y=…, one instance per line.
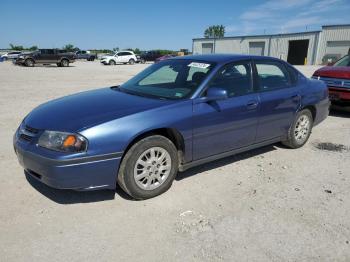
x=67, y=197
x=227, y=160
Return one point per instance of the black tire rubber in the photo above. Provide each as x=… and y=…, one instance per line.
x=291, y=142
x=112, y=62
x=29, y=62
x=64, y=63
x=131, y=61
x=58, y=64
x=126, y=170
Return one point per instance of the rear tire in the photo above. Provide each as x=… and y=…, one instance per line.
x=148, y=168
x=64, y=63
x=58, y=64
x=111, y=62
x=300, y=130
x=29, y=62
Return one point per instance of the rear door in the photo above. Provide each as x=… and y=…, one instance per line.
x=224, y=125
x=48, y=56
x=279, y=99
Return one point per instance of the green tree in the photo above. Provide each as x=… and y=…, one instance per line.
x=70, y=48
x=215, y=31
x=33, y=48
x=17, y=47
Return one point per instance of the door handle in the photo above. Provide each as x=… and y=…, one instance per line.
x=252, y=104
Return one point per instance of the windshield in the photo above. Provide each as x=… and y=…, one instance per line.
x=170, y=79
x=345, y=61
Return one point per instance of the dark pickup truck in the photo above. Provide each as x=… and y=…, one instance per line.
x=82, y=54
x=46, y=57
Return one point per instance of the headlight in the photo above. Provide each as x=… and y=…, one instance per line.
x=62, y=141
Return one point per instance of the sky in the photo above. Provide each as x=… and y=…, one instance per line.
x=156, y=24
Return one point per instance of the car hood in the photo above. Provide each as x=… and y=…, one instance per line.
x=334, y=71
x=77, y=112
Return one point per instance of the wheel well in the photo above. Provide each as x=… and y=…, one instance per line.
x=172, y=134
x=312, y=110
x=64, y=58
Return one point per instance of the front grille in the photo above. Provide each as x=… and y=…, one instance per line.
x=25, y=137
x=27, y=133
x=335, y=82
x=31, y=129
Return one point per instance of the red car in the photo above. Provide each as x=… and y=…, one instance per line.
x=164, y=57
x=337, y=78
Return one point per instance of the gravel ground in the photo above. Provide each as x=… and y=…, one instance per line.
x=270, y=204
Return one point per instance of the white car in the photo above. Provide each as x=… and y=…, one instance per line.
x=123, y=57
x=11, y=55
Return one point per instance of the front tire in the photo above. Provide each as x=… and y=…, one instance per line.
x=300, y=130
x=131, y=61
x=29, y=62
x=149, y=167
x=111, y=62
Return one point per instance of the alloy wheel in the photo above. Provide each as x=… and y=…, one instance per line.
x=152, y=168
x=302, y=129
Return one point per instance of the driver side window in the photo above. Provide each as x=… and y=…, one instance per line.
x=235, y=78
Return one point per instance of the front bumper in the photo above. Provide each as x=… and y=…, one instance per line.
x=78, y=173
x=18, y=61
x=339, y=94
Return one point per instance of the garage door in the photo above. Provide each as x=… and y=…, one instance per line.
x=256, y=48
x=207, y=48
x=337, y=48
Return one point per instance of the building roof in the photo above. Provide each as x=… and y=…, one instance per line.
x=336, y=25
x=220, y=58
x=267, y=35
x=273, y=35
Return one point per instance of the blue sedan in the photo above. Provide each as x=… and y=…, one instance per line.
x=174, y=115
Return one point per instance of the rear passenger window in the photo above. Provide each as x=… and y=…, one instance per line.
x=272, y=75
x=293, y=75
x=236, y=78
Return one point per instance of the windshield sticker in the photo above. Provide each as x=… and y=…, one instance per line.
x=199, y=65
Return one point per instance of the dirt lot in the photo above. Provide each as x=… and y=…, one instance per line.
x=270, y=204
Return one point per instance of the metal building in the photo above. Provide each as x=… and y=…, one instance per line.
x=316, y=47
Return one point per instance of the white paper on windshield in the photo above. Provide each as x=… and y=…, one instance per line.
x=199, y=65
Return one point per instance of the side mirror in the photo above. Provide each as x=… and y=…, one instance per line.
x=215, y=94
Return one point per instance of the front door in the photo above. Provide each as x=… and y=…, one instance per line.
x=221, y=126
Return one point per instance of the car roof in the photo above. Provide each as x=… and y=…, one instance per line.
x=224, y=58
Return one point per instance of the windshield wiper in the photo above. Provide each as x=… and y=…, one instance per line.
x=127, y=91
